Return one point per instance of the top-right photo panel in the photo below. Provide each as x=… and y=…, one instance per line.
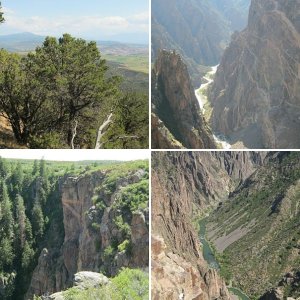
x=225, y=74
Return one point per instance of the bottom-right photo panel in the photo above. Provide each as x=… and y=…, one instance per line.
x=225, y=225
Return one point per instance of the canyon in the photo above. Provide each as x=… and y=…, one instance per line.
x=76, y=227
x=198, y=30
x=89, y=230
x=253, y=99
x=184, y=185
x=248, y=211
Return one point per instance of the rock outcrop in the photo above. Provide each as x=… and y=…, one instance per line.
x=256, y=91
x=290, y=282
x=184, y=185
x=82, y=281
x=85, y=280
x=175, y=105
x=274, y=294
x=162, y=138
x=92, y=233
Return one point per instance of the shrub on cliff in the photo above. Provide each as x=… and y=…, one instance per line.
x=128, y=284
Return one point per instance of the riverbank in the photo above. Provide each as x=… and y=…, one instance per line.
x=210, y=258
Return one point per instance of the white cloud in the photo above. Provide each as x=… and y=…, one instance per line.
x=140, y=18
x=85, y=25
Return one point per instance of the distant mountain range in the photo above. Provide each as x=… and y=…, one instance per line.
x=26, y=41
x=21, y=42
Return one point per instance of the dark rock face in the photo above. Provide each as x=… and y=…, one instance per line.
x=256, y=92
x=175, y=104
x=274, y=294
x=184, y=184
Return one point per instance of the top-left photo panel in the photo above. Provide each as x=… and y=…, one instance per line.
x=74, y=74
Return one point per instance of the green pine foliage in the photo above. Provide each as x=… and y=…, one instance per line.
x=67, y=80
x=126, y=131
x=25, y=190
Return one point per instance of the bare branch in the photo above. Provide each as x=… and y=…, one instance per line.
x=102, y=129
x=74, y=134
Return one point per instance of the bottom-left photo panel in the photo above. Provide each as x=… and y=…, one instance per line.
x=74, y=224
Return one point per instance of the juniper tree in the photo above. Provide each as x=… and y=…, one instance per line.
x=59, y=89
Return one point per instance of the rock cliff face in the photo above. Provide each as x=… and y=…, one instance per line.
x=175, y=104
x=185, y=184
x=197, y=29
x=162, y=138
x=256, y=92
x=90, y=230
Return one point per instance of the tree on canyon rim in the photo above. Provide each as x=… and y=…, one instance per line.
x=56, y=91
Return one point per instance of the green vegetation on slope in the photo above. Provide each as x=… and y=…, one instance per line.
x=134, y=62
x=128, y=284
x=131, y=80
x=132, y=198
x=267, y=208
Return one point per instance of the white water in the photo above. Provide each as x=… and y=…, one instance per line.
x=202, y=99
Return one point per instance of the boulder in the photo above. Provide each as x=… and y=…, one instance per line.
x=85, y=279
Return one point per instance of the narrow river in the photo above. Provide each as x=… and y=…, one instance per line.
x=201, y=95
x=236, y=294
x=207, y=251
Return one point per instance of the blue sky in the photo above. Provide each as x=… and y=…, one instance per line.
x=94, y=19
